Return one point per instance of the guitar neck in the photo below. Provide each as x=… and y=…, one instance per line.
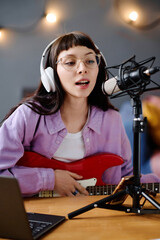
x=103, y=190
x=108, y=189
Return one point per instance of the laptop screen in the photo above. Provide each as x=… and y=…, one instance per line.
x=14, y=221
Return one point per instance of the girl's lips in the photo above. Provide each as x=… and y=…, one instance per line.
x=83, y=83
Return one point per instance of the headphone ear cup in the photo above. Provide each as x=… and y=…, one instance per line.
x=47, y=79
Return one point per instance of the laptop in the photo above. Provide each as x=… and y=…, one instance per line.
x=15, y=223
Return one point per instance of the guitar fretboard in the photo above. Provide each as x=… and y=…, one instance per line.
x=108, y=189
x=103, y=190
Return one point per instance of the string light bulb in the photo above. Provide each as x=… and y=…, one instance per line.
x=51, y=18
x=133, y=16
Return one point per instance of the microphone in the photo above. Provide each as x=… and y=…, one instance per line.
x=128, y=79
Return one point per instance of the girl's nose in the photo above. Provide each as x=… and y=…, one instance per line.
x=81, y=67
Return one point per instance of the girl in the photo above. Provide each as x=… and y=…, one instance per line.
x=67, y=118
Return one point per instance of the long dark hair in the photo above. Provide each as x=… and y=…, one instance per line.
x=45, y=103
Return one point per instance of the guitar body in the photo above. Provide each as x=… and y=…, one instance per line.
x=89, y=167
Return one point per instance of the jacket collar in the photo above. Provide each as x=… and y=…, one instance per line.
x=95, y=119
x=55, y=124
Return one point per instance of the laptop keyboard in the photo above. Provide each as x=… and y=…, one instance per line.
x=38, y=226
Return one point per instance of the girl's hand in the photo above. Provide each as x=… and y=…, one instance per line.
x=66, y=183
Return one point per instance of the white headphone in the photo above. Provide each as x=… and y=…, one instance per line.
x=47, y=75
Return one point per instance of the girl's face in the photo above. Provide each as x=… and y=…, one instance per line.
x=77, y=69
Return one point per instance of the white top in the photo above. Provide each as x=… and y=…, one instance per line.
x=71, y=148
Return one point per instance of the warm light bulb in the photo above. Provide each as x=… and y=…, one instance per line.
x=51, y=17
x=133, y=16
x=0, y=34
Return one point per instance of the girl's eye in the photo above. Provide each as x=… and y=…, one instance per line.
x=90, y=61
x=70, y=63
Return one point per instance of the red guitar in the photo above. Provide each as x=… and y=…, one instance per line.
x=89, y=167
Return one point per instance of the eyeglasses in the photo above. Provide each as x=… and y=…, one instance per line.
x=71, y=63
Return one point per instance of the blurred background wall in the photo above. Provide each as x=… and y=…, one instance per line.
x=25, y=32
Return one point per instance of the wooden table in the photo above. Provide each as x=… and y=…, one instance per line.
x=96, y=224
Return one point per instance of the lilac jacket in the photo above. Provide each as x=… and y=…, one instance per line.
x=27, y=130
